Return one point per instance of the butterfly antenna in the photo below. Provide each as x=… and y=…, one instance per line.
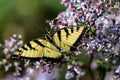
x=48, y=34
x=49, y=31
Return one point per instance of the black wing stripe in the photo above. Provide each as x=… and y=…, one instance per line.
x=23, y=47
x=39, y=43
x=72, y=30
x=66, y=31
x=30, y=46
x=77, y=28
x=18, y=50
x=59, y=35
x=33, y=59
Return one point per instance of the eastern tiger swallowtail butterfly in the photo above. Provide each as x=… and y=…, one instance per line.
x=66, y=39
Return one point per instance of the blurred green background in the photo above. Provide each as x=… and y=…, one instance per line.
x=27, y=17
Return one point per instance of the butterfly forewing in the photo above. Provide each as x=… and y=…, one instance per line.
x=67, y=39
x=39, y=48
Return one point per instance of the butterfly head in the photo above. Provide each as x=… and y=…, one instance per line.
x=48, y=36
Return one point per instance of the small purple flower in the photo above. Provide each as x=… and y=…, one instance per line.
x=117, y=72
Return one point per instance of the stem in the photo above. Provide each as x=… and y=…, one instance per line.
x=89, y=68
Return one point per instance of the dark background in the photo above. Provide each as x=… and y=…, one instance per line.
x=27, y=17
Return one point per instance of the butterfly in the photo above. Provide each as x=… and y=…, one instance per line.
x=48, y=48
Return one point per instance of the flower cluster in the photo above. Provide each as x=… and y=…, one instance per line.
x=9, y=47
x=79, y=12
x=105, y=43
x=74, y=70
x=103, y=40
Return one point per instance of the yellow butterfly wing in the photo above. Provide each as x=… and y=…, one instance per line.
x=39, y=48
x=67, y=38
